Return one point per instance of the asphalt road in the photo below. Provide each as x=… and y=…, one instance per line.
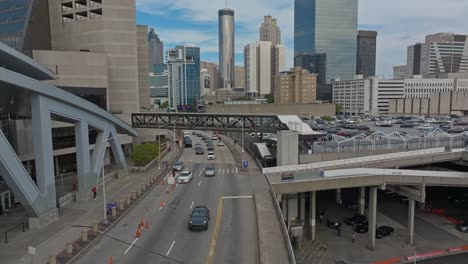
x=454, y=259
x=230, y=238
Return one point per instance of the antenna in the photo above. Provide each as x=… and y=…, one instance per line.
x=226, y=3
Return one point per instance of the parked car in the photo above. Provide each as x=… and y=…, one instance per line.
x=426, y=127
x=199, y=218
x=199, y=151
x=355, y=220
x=462, y=227
x=383, y=231
x=178, y=166
x=407, y=125
x=210, y=170
x=363, y=228
x=184, y=177
x=211, y=155
x=363, y=128
x=220, y=143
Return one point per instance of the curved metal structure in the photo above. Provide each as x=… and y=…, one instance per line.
x=21, y=92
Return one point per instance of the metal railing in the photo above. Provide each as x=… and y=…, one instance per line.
x=23, y=224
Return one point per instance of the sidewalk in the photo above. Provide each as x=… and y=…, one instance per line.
x=52, y=239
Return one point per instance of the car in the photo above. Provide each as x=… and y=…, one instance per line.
x=184, y=176
x=211, y=155
x=220, y=144
x=198, y=144
x=187, y=143
x=214, y=137
x=178, y=166
x=426, y=127
x=199, y=150
x=199, y=218
x=210, y=147
x=462, y=227
x=406, y=125
x=195, y=133
x=203, y=138
x=355, y=220
x=210, y=170
x=363, y=228
x=363, y=128
x=383, y=231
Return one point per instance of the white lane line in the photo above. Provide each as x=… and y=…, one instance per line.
x=191, y=205
x=199, y=183
x=237, y=170
x=221, y=172
x=160, y=208
x=130, y=246
x=238, y=197
x=169, y=251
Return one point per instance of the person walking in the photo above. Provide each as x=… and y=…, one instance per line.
x=339, y=231
x=354, y=237
x=321, y=218
x=94, y=190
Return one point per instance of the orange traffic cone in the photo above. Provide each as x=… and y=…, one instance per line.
x=142, y=223
x=147, y=225
x=110, y=260
x=167, y=190
x=138, y=233
x=162, y=203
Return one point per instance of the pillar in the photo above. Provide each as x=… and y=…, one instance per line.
x=313, y=210
x=338, y=197
x=299, y=206
x=411, y=204
x=372, y=216
x=362, y=200
x=83, y=161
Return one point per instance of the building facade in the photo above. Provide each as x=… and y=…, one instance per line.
x=366, y=53
x=155, y=49
x=296, y=86
x=240, y=77
x=385, y=90
x=399, y=72
x=210, y=79
x=226, y=47
x=325, y=40
x=354, y=96
x=270, y=31
x=159, y=88
x=413, y=59
x=183, y=65
x=419, y=87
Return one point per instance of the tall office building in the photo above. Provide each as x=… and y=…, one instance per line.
x=24, y=25
x=325, y=40
x=226, y=47
x=399, y=72
x=183, y=64
x=296, y=86
x=262, y=62
x=269, y=31
x=366, y=53
x=155, y=49
x=210, y=80
x=413, y=59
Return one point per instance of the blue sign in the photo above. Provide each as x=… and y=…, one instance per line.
x=245, y=163
x=184, y=107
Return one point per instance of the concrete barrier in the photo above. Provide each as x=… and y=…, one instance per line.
x=133, y=195
x=52, y=259
x=114, y=211
x=84, y=235
x=95, y=227
x=143, y=187
x=69, y=248
x=129, y=200
x=138, y=191
x=420, y=256
x=121, y=205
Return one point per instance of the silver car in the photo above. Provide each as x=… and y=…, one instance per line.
x=178, y=166
x=210, y=170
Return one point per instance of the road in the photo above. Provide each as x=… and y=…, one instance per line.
x=167, y=240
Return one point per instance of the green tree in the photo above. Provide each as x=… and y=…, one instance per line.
x=327, y=118
x=270, y=98
x=144, y=153
x=165, y=105
x=338, y=108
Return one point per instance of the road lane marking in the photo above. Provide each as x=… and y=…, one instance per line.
x=227, y=171
x=209, y=260
x=160, y=208
x=238, y=197
x=221, y=171
x=130, y=246
x=169, y=251
x=192, y=205
x=199, y=183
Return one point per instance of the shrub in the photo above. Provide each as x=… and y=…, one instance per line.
x=144, y=153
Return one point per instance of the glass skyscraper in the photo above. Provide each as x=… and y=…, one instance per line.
x=24, y=25
x=325, y=40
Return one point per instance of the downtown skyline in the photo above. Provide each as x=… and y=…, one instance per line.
x=398, y=23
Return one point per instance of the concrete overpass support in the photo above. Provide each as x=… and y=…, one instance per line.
x=372, y=216
x=312, y=210
x=288, y=152
x=362, y=200
x=338, y=197
x=411, y=203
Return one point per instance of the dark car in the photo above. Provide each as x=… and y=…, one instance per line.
x=199, y=151
x=210, y=147
x=462, y=227
x=199, y=218
x=406, y=125
x=356, y=220
x=363, y=128
x=363, y=228
x=383, y=231
x=187, y=142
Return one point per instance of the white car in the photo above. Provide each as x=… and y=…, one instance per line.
x=220, y=144
x=211, y=155
x=185, y=176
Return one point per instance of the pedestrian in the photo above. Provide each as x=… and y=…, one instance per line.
x=339, y=231
x=321, y=218
x=94, y=190
x=354, y=237
x=173, y=172
x=336, y=225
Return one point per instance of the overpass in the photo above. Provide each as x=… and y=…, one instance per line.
x=23, y=93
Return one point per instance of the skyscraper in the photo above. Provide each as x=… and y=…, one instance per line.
x=183, y=64
x=325, y=40
x=24, y=25
x=155, y=49
x=226, y=47
x=366, y=50
x=269, y=31
x=413, y=59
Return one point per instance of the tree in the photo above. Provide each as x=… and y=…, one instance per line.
x=144, y=153
x=270, y=98
x=165, y=105
x=338, y=108
x=327, y=118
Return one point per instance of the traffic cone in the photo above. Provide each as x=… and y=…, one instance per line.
x=142, y=223
x=138, y=233
x=147, y=225
x=167, y=190
x=173, y=186
x=162, y=203
x=111, y=260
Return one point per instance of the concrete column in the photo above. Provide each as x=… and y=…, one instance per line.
x=114, y=211
x=338, y=197
x=372, y=216
x=299, y=207
x=362, y=200
x=69, y=248
x=411, y=203
x=117, y=151
x=52, y=259
x=83, y=161
x=121, y=205
x=84, y=235
x=313, y=210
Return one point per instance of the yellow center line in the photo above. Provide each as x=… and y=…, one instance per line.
x=209, y=260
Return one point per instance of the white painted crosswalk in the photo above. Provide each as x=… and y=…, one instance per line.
x=221, y=171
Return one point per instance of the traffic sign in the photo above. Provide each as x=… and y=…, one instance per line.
x=245, y=163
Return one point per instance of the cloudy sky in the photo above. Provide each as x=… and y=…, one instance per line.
x=398, y=22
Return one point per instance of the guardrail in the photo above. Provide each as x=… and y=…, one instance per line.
x=23, y=224
x=390, y=172
x=66, y=199
x=344, y=162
